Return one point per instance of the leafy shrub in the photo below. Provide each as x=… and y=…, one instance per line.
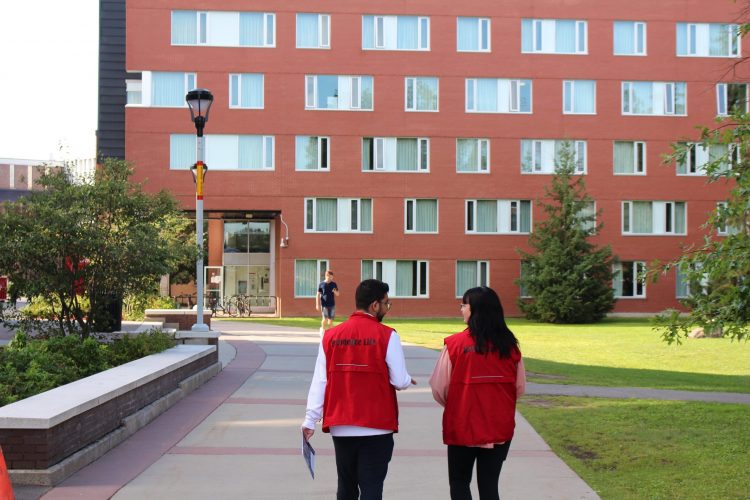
x=136, y=305
x=29, y=366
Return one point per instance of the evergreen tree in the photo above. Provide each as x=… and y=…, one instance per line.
x=567, y=279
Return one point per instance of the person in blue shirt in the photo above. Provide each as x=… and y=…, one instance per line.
x=325, y=301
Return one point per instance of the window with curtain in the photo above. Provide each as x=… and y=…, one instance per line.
x=307, y=275
x=628, y=280
x=554, y=36
x=339, y=92
x=405, y=278
x=168, y=89
x=182, y=152
x=587, y=217
x=342, y=215
x=184, y=27
x=421, y=216
x=498, y=216
x=629, y=38
x=246, y=90
x=731, y=97
x=629, y=158
x=497, y=95
x=395, y=32
x=579, y=97
x=725, y=229
x=395, y=154
x=708, y=40
x=312, y=152
x=234, y=152
x=654, y=217
x=473, y=34
x=470, y=274
x=654, y=98
x=313, y=31
x=257, y=29
x=472, y=155
x=542, y=156
x=223, y=29
x=421, y=93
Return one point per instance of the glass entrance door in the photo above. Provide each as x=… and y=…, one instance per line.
x=247, y=262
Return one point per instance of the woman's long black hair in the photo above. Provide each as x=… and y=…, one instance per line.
x=487, y=322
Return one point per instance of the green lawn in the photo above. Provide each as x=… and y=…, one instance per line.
x=616, y=352
x=635, y=449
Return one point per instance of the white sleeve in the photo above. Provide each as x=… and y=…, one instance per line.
x=317, y=391
x=394, y=358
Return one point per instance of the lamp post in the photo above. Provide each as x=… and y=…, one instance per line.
x=199, y=101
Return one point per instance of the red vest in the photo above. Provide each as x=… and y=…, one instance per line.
x=481, y=401
x=358, y=389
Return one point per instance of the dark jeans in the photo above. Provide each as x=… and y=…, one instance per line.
x=489, y=462
x=362, y=463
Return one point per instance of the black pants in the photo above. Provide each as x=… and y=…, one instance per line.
x=489, y=462
x=362, y=463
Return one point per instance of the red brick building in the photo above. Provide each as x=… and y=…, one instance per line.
x=410, y=140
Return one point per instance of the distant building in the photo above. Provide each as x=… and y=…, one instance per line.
x=18, y=177
x=409, y=141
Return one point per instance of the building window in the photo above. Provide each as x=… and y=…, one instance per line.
x=224, y=152
x=168, y=89
x=421, y=93
x=726, y=229
x=630, y=157
x=473, y=34
x=498, y=95
x=246, y=91
x=133, y=92
x=654, y=98
x=223, y=29
x=395, y=33
x=472, y=155
x=579, y=97
x=630, y=38
x=420, y=216
x=498, y=216
x=242, y=237
x=313, y=31
x=307, y=276
x=312, y=153
x=554, y=36
x=587, y=217
x=338, y=92
x=628, y=279
x=697, y=157
x=405, y=278
x=338, y=215
x=395, y=154
x=708, y=40
x=543, y=156
x=731, y=97
x=654, y=217
x=470, y=274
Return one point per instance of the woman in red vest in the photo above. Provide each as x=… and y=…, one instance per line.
x=478, y=379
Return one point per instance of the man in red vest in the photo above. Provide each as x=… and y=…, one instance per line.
x=360, y=366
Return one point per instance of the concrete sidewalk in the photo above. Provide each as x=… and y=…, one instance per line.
x=238, y=437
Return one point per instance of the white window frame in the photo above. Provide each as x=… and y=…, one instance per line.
x=669, y=104
x=343, y=207
x=413, y=203
x=379, y=40
x=636, y=25
x=514, y=99
x=355, y=103
x=657, y=208
x=537, y=145
x=722, y=92
x=388, y=275
x=379, y=157
x=320, y=264
x=471, y=205
x=480, y=21
x=479, y=142
x=320, y=139
x=637, y=146
x=639, y=267
x=480, y=264
x=239, y=87
x=134, y=87
x=414, y=109
x=537, y=24
x=568, y=110
x=324, y=27
x=734, y=49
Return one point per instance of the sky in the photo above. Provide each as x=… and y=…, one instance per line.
x=48, y=63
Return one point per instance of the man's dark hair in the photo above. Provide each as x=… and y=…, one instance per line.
x=368, y=292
